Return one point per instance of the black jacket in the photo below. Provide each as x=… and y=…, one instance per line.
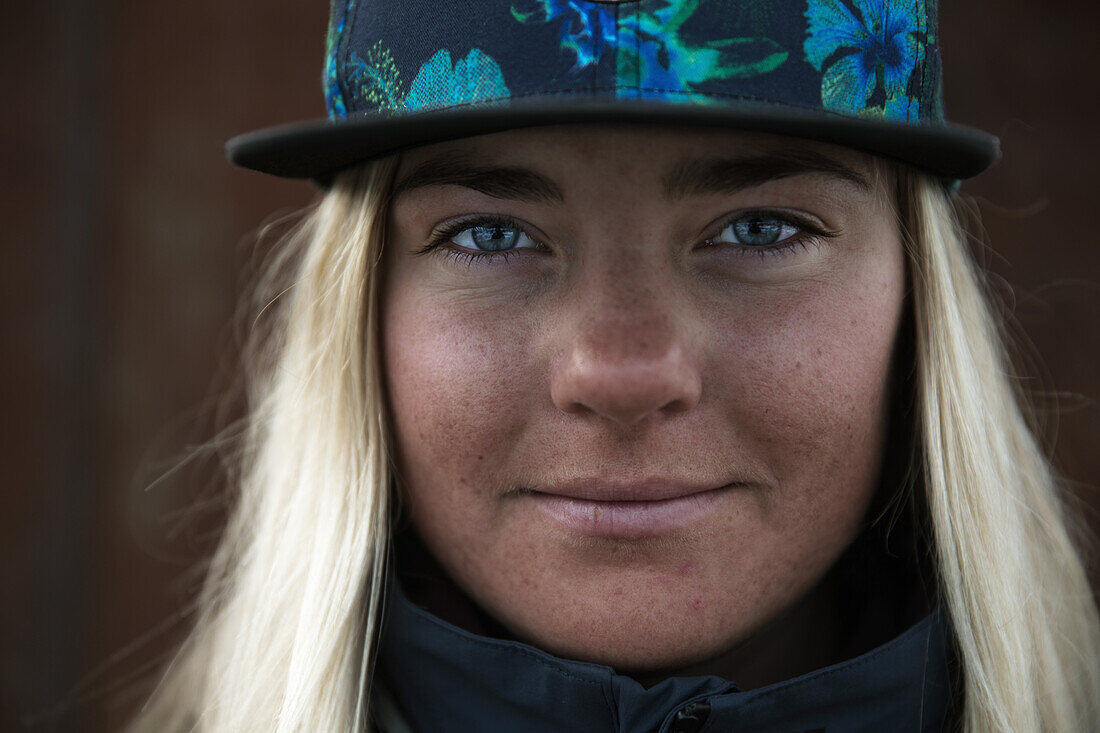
x=434, y=676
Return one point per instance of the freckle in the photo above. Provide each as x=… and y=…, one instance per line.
x=480, y=457
x=798, y=365
x=697, y=602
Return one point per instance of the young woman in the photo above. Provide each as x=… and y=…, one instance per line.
x=632, y=374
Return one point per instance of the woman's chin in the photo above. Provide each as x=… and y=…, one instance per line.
x=638, y=631
x=641, y=606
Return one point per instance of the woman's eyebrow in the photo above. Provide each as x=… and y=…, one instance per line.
x=502, y=182
x=711, y=175
x=695, y=177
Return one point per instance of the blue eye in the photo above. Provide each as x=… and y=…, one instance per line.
x=492, y=237
x=758, y=230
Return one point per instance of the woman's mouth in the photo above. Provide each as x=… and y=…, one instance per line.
x=648, y=509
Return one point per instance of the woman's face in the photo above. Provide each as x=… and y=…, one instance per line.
x=639, y=376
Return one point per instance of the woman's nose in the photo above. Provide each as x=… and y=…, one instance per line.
x=626, y=368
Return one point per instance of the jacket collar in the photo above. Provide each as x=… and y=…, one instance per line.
x=445, y=678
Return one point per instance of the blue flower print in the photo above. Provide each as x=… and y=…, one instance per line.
x=586, y=27
x=334, y=97
x=475, y=78
x=375, y=81
x=867, y=50
x=654, y=61
x=651, y=57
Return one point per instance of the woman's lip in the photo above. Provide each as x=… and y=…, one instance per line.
x=626, y=491
x=629, y=518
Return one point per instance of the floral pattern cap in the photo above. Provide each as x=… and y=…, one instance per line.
x=793, y=66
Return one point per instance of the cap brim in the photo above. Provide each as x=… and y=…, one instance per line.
x=319, y=149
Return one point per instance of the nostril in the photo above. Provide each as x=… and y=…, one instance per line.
x=681, y=404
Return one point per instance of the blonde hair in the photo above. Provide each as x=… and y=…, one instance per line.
x=285, y=636
x=1023, y=613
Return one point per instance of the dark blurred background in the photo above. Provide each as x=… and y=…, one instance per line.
x=126, y=235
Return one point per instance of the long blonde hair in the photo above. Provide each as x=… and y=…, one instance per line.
x=285, y=634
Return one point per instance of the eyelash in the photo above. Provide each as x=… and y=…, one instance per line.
x=468, y=256
x=809, y=234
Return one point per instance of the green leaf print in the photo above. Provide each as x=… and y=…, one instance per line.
x=376, y=78
x=744, y=57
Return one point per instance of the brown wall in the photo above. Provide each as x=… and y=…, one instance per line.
x=126, y=229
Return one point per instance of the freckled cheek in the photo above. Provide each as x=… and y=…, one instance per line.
x=811, y=378
x=457, y=380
